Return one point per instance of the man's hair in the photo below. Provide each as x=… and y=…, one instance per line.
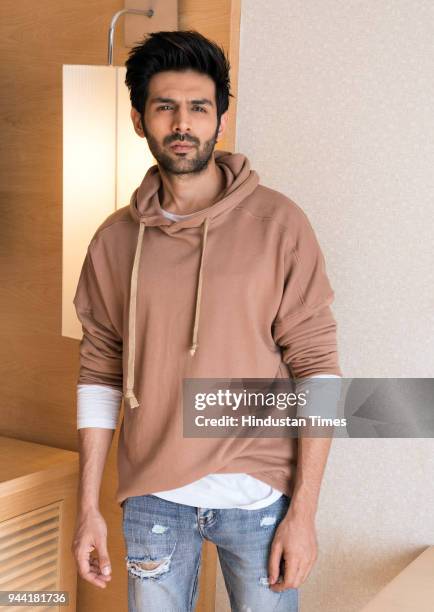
x=177, y=50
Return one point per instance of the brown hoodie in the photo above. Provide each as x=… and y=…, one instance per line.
x=238, y=290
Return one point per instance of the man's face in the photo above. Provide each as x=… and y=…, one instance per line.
x=180, y=109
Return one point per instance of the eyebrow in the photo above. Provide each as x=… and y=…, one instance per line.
x=172, y=101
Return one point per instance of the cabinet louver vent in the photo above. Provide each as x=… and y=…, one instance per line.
x=29, y=554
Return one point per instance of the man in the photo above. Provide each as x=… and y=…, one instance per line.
x=205, y=274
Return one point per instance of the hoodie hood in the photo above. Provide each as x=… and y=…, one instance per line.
x=146, y=211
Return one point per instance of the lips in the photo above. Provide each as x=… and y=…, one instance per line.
x=181, y=147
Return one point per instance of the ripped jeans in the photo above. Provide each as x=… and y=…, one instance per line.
x=164, y=542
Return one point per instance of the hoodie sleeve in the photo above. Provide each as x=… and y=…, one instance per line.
x=101, y=345
x=304, y=326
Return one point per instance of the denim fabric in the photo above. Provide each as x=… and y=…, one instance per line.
x=168, y=538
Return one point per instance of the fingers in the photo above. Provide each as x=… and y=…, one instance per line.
x=104, y=561
x=285, y=581
x=90, y=568
x=294, y=574
x=90, y=571
x=274, y=562
x=96, y=567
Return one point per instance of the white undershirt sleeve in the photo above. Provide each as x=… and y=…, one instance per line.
x=98, y=406
x=323, y=400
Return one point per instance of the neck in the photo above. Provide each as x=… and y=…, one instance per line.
x=183, y=194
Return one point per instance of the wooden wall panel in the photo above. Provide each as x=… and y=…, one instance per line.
x=38, y=366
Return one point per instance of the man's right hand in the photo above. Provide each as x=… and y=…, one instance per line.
x=91, y=534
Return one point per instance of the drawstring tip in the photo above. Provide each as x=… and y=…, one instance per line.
x=132, y=400
x=193, y=348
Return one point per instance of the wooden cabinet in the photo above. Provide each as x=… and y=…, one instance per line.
x=38, y=489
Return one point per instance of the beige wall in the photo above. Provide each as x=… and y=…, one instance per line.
x=335, y=109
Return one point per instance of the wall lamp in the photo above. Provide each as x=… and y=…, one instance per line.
x=103, y=158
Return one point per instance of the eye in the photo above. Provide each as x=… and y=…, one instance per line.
x=200, y=107
x=164, y=106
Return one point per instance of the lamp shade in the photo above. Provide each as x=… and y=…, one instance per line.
x=104, y=160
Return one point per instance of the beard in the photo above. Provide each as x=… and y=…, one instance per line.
x=195, y=160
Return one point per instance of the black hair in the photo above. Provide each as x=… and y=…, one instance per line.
x=177, y=50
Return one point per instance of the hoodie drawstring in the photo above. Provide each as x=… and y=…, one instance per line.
x=129, y=393
x=194, y=342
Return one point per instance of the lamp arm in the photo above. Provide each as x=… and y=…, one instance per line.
x=148, y=13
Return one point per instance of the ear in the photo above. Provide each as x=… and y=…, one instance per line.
x=137, y=123
x=223, y=122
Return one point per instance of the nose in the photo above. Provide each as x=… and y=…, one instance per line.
x=181, y=121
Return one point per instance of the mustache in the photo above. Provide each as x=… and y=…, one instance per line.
x=182, y=139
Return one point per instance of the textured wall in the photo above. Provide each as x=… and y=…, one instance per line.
x=335, y=110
